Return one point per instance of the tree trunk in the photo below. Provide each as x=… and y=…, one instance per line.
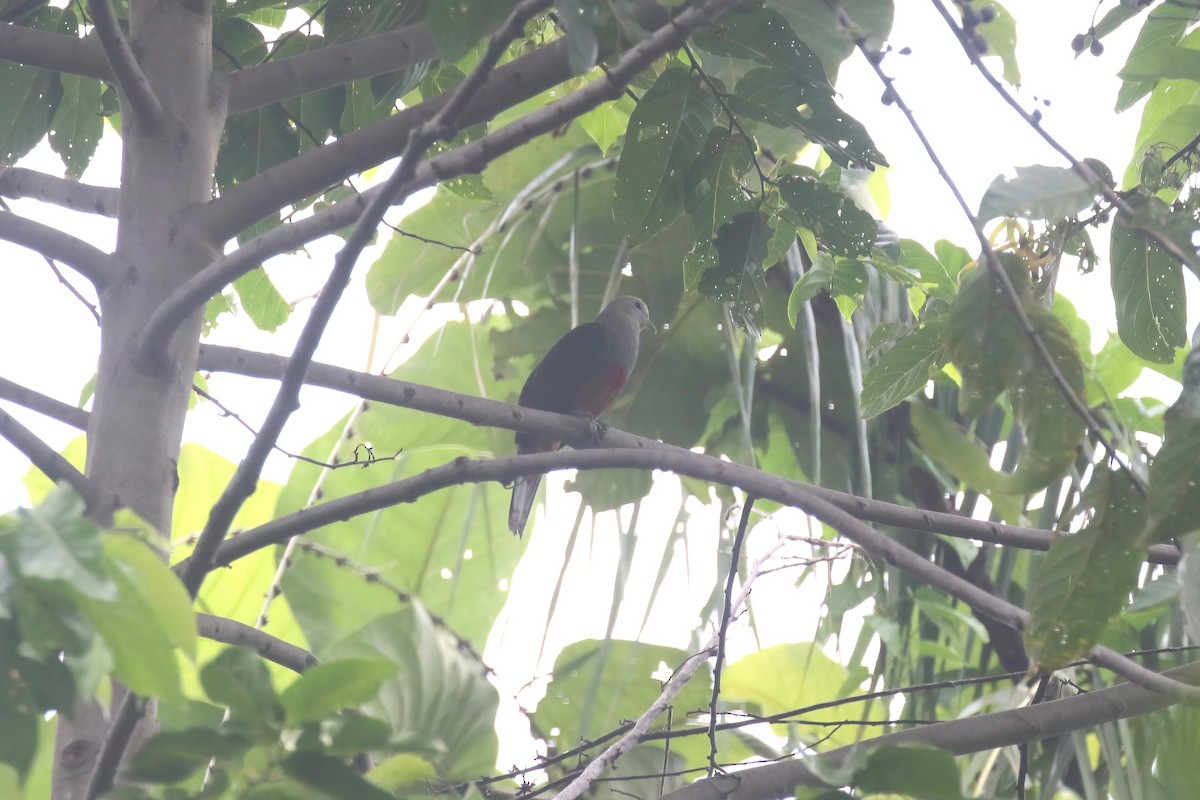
x=137, y=420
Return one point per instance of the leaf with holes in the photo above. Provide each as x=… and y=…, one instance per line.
x=905, y=369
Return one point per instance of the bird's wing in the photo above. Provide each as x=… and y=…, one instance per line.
x=576, y=375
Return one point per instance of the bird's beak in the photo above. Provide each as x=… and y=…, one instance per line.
x=646, y=323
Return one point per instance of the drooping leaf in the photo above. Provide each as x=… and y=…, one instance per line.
x=1174, y=503
x=840, y=226
x=821, y=28
x=238, y=680
x=738, y=277
x=439, y=703
x=1147, y=286
x=332, y=686
x=984, y=338
x=908, y=770
x=78, y=123
x=1086, y=577
x=1001, y=37
x=457, y=26
x=763, y=35
x=175, y=755
x=261, y=301
x=1041, y=192
x=665, y=134
x=715, y=189
x=905, y=368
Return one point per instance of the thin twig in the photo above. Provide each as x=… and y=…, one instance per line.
x=1080, y=167
x=723, y=630
x=144, y=103
x=997, y=270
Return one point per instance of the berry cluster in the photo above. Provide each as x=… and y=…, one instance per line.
x=1087, y=40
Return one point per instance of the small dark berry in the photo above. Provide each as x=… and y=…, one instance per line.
x=875, y=56
x=979, y=43
x=969, y=18
x=905, y=51
x=888, y=97
x=1097, y=47
x=987, y=14
x=1078, y=43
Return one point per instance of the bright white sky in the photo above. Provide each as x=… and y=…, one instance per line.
x=52, y=340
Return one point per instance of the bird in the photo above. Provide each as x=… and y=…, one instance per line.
x=581, y=374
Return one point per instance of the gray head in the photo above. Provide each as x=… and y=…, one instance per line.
x=628, y=306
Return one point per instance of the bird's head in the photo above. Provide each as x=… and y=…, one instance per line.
x=631, y=307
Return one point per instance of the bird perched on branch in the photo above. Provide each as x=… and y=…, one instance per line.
x=582, y=374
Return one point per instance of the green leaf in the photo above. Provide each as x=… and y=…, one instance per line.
x=1041, y=192
x=1163, y=62
x=1001, y=37
x=818, y=277
x=78, y=123
x=55, y=542
x=738, y=277
x=1189, y=584
x=788, y=676
x=238, y=680
x=910, y=770
x=457, y=26
x=607, y=123
x=440, y=704
x=768, y=95
x=29, y=97
x=715, y=190
x=984, y=338
x=917, y=355
x=763, y=35
x=1147, y=286
x=1164, y=27
x=18, y=713
x=1086, y=577
x=1174, y=503
x=255, y=141
x=1053, y=430
x=402, y=771
x=173, y=756
x=261, y=301
x=665, y=134
x=159, y=587
x=840, y=226
x=237, y=44
x=952, y=449
x=821, y=28
x=330, y=687
x=332, y=777
x=598, y=683
x=936, y=278
x=580, y=18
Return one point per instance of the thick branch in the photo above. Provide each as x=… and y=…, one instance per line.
x=90, y=262
x=491, y=413
x=469, y=158
x=321, y=167
x=18, y=182
x=144, y=104
x=778, y=780
x=53, y=51
x=43, y=404
x=55, y=467
x=332, y=65
x=272, y=648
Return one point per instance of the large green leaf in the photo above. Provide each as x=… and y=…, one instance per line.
x=1174, y=503
x=457, y=26
x=840, y=226
x=440, y=705
x=1041, y=192
x=821, y=27
x=786, y=677
x=1086, y=577
x=55, y=542
x=332, y=686
x=596, y=684
x=1147, y=287
x=763, y=35
x=665, y=135
x=716, y=192
x=984, y=338
x=452, y=549
x=906, y=367
x=29, y=97
x=78, y=124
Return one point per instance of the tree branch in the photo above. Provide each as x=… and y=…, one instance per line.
x=491, y=413
x=778, y=780
x=144, y=104
x=472, y=157
x=53, y=51
x=245, y=479
x=285, y=654
x=90, y=262
x=43, y=404
x=321, y=167
x=329, y=66
x=19, y=182
x=99, y=505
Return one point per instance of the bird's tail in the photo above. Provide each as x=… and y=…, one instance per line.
x=524, y=490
